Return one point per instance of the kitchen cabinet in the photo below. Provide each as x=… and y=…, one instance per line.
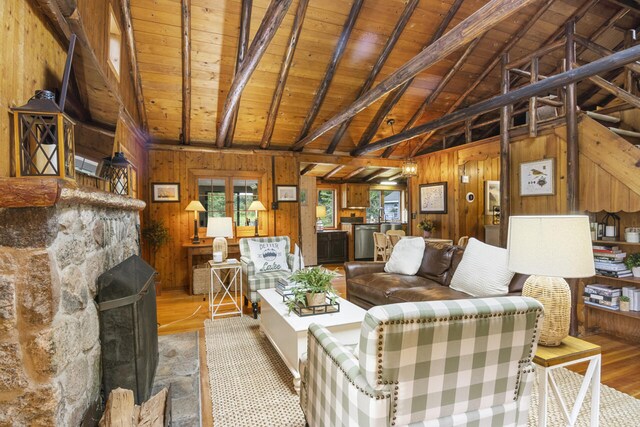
x=332, y=247
x=355, y=196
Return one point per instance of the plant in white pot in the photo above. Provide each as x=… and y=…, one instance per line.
x=624, y=303
x=633, y=263
x=427, y=226
x=313, y=287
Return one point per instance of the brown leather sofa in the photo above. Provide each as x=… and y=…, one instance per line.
x=368, y=285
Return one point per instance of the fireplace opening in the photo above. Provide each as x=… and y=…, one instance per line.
x=128, y=327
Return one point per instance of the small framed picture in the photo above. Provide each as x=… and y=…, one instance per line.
x=286, y=193
x=433, y=198
x=537, y=178
x=491, y=196
x=162, y=192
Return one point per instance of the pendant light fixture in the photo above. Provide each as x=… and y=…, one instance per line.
x=409, y=166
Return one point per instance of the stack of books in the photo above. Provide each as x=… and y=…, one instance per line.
x=284, y=286
x=634, y=297
x=609, y=261
x=605, y=296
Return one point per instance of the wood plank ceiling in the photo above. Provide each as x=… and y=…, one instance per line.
x=214, y=34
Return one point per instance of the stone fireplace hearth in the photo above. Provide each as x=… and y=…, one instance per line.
x=52, y=249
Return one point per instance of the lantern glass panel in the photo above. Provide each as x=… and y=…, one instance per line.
x=38, y=145
x=120, y=180
x=69, y=149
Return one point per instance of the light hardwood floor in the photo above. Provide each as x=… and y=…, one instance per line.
x=180, y=312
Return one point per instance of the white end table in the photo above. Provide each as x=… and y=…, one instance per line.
x=288, y=331
x=571, y=351
x=223, y=271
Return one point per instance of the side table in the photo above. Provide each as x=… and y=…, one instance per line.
x=230, y=272
x=571, y=351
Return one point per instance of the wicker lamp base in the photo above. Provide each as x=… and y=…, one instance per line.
x=220, y=245
x=554, y=294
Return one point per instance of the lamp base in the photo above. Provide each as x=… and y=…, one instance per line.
x=220, y=245
x=555, y=296
x=196, y=239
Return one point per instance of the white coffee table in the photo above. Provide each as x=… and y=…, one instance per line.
x=288, y=332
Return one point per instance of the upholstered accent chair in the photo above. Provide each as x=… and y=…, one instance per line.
x=252, y=281
x=439, y=363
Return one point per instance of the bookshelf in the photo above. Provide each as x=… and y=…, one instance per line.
x=623, y=324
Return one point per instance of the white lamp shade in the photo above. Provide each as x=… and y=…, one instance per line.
x=556, y=246
x=195, y=206
x=256, y=205
x=321, y=211
x=220, y=227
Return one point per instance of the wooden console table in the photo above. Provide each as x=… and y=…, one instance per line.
x=205, y=248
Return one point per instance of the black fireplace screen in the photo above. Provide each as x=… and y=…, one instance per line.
x=128, y=327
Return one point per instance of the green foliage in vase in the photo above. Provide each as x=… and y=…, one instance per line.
x=427, y=225
x=311, y=280
x=632, y=260
x=156, y=235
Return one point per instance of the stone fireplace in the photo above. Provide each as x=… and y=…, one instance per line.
x=55, y=240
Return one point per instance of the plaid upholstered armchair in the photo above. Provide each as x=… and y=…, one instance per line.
x=442, y=363
x=252, y=280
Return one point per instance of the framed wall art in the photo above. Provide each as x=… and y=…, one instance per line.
x=491, y=196
x=165, y=192
x=286, y=193
x=537, y=178
x=433, y=198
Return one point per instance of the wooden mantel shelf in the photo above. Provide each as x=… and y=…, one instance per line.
x=39, y=192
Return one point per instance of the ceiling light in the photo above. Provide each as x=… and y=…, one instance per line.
x=409, y=168
x=388, y=183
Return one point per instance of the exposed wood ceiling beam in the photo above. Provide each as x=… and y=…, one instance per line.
x=354, y=172
x=396, y=176
x=271, y=22
x=599, y=66
x=472, y=27
x=186, y=71
x=384, y=54
x=603, y=51
x=615, y=90
x=395, y=97
x=51, y=9
x=629, y=4
x=321, y=93
x=308, y=168
x=433, y=95
x=333, y=171
x=374, y=175
x=243, y=42
x=133, y=57
x=272, y=115
x=348, y=160
x=495, y=61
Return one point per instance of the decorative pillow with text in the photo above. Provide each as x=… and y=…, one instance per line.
x=269, y=256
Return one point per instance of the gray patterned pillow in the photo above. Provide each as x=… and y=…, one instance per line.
x=269, y=256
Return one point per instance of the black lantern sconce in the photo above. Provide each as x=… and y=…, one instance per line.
x=43, y=138
x=117, y=170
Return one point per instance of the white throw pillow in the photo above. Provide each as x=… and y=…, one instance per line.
x=269, y=256
x=483, y=271
x=406, y=256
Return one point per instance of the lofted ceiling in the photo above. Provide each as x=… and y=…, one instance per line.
x=214, y=35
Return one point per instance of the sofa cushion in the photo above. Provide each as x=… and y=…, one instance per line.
x=430, y=292
x=374, y=287
x=483, y=271
x=436, y=262
x=406, y=256
x=269, y=256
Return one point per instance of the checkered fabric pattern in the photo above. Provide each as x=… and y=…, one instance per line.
x=252, y=282
x=440, y=363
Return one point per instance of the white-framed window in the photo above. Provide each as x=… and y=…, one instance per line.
x=327, y=198
x=115, y=44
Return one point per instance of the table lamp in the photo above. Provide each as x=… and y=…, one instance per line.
x=321, y=212
x=220, y=228
x=550, y=248
x=195, y=207
x=256, y=206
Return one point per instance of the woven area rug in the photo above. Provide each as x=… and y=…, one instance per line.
x=251, y=386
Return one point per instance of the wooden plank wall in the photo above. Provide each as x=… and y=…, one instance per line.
x=599, y=190
x=178, y=166
x=31, y=58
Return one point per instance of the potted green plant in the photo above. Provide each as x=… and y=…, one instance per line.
x=624, y=303
x=156, y=235
x=633, y=263
x=313, y=287
x=427, y=226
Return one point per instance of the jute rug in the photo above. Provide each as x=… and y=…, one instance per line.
x=251, y=386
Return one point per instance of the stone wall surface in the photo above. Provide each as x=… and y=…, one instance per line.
x=50, y=259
